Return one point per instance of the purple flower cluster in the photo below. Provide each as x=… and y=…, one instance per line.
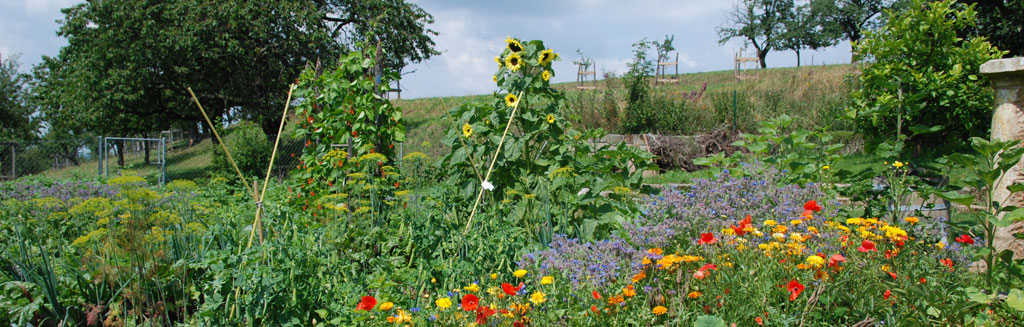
x=62, y=190
x=597, y=264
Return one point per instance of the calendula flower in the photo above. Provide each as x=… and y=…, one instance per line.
x=796, y=222
x=513, y=44
x=443, y=303
x=514, y=62
x=546, y=57
x=519, y=273
x=547, y=280
x=402, y=316
x=659, y=310
x=511, y=100
x=629, y=291
x=386, y=306
x=912, y=220
x=694, y=295
x=769, y=223
x=546, y=75
x=550, y=118
x=494, y=276
x=537, y=297
x=467, y=130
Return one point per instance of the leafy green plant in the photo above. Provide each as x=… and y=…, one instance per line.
x=639, y=111
x=250, y=150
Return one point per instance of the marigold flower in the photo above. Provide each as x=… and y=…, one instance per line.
x=815, y=261
x=659, y=310
x=367, y=303
x=694, y=295
x=769, y=223
x=639, y=276
x=796, y=222
x=519, y=273
x=386, y=306
x=547, y=280
x=912, y=220
x=629, y=291
x=613, y=300
x=537, y=298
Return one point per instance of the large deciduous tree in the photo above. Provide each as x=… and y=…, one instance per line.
x=848, y=19
x=759, y=22
x=16, y=122
x=803, y=30
x=1002, y=22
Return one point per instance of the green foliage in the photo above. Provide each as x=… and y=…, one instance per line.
x=922, y=74
x=541, y=156
x=639, y=110
x=849, y=19
x=1002, y=22
x=16, y=121
x=803, y=30
x=250, y=150
x=759, y=22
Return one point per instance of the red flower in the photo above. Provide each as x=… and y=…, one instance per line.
x=948, y=263
x=707, y=238
x=794, y=287
x=744, y=224
x=367, y=303
x=708, y=266
x=518, y=324
x=893, y=275
x=887, y=294
x=482, y=313
x=470, y=302
x=866, y=246
x=594, y=309
x=759, y=321
x=966, y=239
x=835, y=260
x=511, y=290
x=597, y=296
x=812, y=206
x=923, y=280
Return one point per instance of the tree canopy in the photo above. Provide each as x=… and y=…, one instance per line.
x=1002, y=22
x=16, y=122
x=759, y=22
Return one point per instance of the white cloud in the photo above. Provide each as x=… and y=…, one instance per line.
x=38, y=7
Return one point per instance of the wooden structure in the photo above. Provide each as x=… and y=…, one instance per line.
x=581, y=76
x=661, y=72
x=739, y=62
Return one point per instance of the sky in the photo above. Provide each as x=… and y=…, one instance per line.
x=472, y=32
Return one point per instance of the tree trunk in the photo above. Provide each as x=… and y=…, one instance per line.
x=761, y=55
x=146, y=146
x=119, y=146
x=797, y=57
x=193, y=133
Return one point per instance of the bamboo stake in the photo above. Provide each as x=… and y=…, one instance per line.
x=257, y=222
x=219, y=140
x=512, y=117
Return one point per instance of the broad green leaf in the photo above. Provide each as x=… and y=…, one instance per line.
x=709, y=321
x=1015, y=299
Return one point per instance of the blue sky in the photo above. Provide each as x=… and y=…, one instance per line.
x=472, y=33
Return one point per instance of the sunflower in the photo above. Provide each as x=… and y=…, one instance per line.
x=467, y=130
x=497, y=59
x=513, y=44
x=511, y=100
x=494, y=78
x=546, y=57
x=546, y=75
x=513, y=61
x=551, y=119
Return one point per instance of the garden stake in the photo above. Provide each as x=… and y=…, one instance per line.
x=219, y=140
x=493, y=160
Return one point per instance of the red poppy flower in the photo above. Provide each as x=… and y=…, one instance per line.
x=966, y=239
x=812, y=206
x=889, y=254
x=707, y=238
x=708, y=266
x=596, y=295
x=948, y=262
x=518, y=324
x=482, y=313
x=866, y=246
x=794, y=287
x=511, y=290
x=922, y=280
x=835, y=260
x=759, y=321
x=744, y=224
x=887, y=294
x=367, y=303
x=470, y=302
x=594, y=308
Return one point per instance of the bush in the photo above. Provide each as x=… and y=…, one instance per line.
x=923, y=75
x=639, y=110
x=250, y=150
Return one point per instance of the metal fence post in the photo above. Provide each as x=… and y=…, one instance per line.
x=99, y=148
x=14, y=162
x=106, y=166
x=163, y=161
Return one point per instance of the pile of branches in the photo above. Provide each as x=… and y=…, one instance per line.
x=678, y=152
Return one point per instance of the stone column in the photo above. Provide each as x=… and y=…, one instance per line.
x=1007, y=76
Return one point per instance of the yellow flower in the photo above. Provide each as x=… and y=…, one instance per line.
x=812, y=229
x=912, y=220
x=546, y=57
x=443, y=303
x=796, y=221
x=546, y=75
x=497, y=59
x=855, y=221
x=551, y=118
x=472, y=288
x=815, y=261
x=511, y=100
x=629, y=291
x=885, y=268
x=519, y=273
x=494, y=276
x=655, y=251
x=467, y=130
x=825, y=167
x=386, y=306
x=769, y=223
x=537, y=298
x=659, y=310
x=897, y=164
x=513, y=44
x=494, y=78
x=402, y=317
x=694, y=295
x=547, y=280
x=433, y=280
x=940, y=245
x=514, y=62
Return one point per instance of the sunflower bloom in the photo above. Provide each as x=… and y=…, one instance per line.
x=546, y=75
x=514, y=62
x=546, y=57
x=513, y=45
x=551, y=119
x=467, y=130
x=511, y=100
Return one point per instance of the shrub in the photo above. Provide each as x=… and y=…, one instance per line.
x=639, y=110
x=249, y=149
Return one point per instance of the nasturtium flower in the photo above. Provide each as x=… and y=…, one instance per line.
x=550, y=118
x=546, y=75
x=513, y=45
x=511, y=100
x=386, y=306
x=367, y=303
x=547, y=280
x=519, y=273
x=514, y=62
x=537, y=298
x=794, y=287
x=467, y=130
x=659, y=310
x=546, y=57
x=470, y=302
x=443, y=303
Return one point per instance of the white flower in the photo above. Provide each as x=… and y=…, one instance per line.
x=583, y=191
x=487, y=186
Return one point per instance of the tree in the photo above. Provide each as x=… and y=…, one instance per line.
x=932, y=91
x=803, y=30
x=400, y=26
x=760, y=22
x=1002, y=22
x=847, y=19
x=16, y=122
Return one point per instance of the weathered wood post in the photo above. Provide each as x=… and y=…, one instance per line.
x=1007, y=76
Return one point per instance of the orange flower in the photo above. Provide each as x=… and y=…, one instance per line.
x=948, y=262
x=659, y=310
x=638, y=277
x=629, y=291
x=741, y=229
x=759, y=321
x=367, y=303
x=835, y=260
x=694, y=295
x=511, y=290
x=596, y=295
x=615, y=300
x=655, y=251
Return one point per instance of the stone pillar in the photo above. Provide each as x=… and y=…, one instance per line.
x=1007, y=76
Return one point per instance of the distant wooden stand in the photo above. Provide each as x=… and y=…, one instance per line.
x=661, y=73
x=581, y=77
x=738, y=67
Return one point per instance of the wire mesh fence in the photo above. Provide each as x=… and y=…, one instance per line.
x=57, y=158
